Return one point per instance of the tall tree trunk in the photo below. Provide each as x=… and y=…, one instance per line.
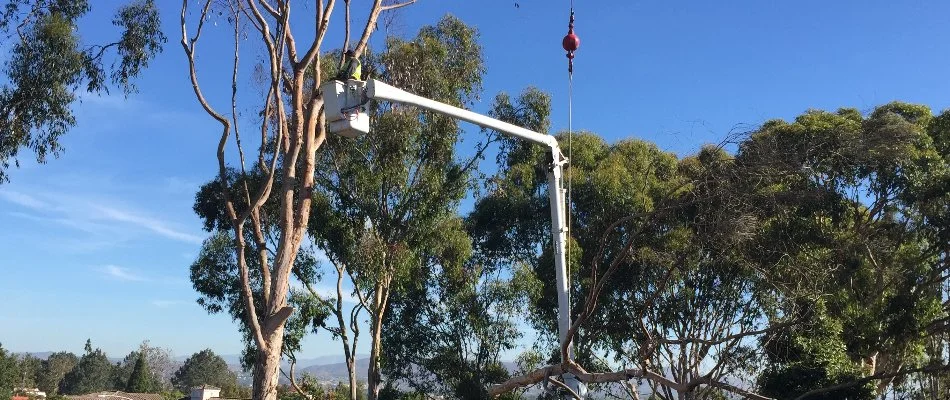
x=267, y=367
x=349, y=353
x=350, y=359
x=374, y=378
x=378, y=311
x=351, y=371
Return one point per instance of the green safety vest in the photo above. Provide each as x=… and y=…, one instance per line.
x=354, y=69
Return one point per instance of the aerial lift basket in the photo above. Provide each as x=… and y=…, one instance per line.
x=344, y=106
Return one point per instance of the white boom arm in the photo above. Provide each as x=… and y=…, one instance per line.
x=380, y=91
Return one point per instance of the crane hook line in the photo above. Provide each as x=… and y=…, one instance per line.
x=570, y=155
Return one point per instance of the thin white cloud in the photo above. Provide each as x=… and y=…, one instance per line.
x=23, y=199
x=78, y=224
x=123, y=274
x=151, y=224
x=91, y=215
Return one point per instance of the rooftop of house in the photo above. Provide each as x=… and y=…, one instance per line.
x=115, y=395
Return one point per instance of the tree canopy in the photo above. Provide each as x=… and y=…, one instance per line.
x=93, y=373
x=50, y=68
x=8, y=372
x=823, y=238
x=54, y=369
x=141, y=380
x=205, y=368
x=293, y=127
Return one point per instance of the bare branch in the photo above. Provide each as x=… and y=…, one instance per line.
x=269, y=8
x=371, y=22
x=542, y=374
x=565, y=387
x=321, y=24
x=237, y=224
x=744, y=393
x=877, y=376
x=346, y=34
x=396, y=5
x=724, y=339
x=293, y=381
x=531, y=378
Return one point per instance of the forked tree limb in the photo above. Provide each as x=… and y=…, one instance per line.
x=541, y=374
x=565, y=387
x=293, y=380
x=377, y=8
x=189, y=44
x=724, y=339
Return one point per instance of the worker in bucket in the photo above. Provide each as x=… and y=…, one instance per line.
x=352, y=69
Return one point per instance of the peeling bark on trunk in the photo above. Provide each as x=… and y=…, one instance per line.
x=374, y=377
x=267, y=368
x=351, y=371
x=380, y=303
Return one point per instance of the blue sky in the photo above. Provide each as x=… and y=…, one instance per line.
x=98, y=242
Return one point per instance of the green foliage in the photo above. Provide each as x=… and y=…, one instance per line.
x=310, y=386
x=93, y=373
x=810, y=356
x=205, y=368
x=342, y=391
x=50, y=68
x=215, y=276
x=123, y=370
x=848, y=208
x=158, y=364
x=8, y=373
x=53, y=370
x=857, y=207
x=385, y=208
x=28, y=371
x=141, y=379
x=174, y=395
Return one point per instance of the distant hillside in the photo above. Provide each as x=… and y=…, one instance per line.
x=42, y=355
x=335, y=372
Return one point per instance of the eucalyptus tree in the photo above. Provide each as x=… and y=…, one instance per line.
x=659, y=284
x=54, y=369
x=50, y=68
x=385, y=204
x=292, y=128
x=833, y=225
x=864, y=204
x=409, y=157
x=453, y=327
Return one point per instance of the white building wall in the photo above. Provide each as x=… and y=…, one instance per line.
x=205, y=393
